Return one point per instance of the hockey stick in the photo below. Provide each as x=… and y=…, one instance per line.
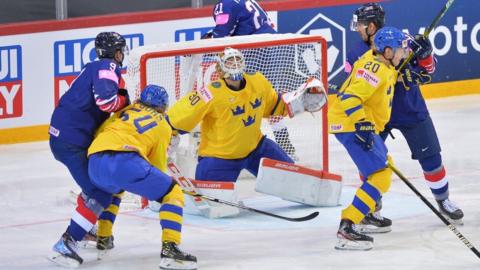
x=187, y=185
x=429, y=29
x=304, y=218
x=199, y=199
x=439, y=215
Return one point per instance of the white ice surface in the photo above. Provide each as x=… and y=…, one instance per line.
x=35, y=211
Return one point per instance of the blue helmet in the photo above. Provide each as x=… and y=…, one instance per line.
x=108, y=43
x=155, y=96
x=390, y=37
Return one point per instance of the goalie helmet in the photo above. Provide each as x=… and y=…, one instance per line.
x=370, y=12
x=232, y=64
x=390, y=37
x=155, y=96
x=108, y=43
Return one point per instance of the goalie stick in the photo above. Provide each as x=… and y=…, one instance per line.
x=199, y=199
x=428, y=30
x=439, y=215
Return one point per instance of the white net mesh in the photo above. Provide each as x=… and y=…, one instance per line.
x=287, y=60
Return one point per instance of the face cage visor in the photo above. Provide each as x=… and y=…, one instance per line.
x=233, y=65
x=354, y=23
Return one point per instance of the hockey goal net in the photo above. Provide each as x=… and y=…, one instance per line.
x=287, y=60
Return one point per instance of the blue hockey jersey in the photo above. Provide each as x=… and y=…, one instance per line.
x=240, y=17
x=88, y=103
x=408, y=106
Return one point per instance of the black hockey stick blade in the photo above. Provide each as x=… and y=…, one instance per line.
x=299, y=219
x=435, y=211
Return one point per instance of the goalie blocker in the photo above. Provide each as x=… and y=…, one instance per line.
x=297, y=184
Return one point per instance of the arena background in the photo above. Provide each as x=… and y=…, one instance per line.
x=38, y=60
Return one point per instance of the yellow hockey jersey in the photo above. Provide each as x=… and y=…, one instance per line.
x=136, y=128
x=366, y=94
x=230, y=120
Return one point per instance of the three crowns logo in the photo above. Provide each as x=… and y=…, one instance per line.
x=239, y=110
x=250, y=120
x=257, y=103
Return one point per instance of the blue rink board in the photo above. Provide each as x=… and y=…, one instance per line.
x=395, y=206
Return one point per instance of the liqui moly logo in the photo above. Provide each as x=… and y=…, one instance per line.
x=11, y=103
x=71, y=56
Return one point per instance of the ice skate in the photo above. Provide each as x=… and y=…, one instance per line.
x=451, y=211
x=104, y=245
x=65, y=252
x=90, y=239
x=375, y=223
x=350, y=239
x=172, y=258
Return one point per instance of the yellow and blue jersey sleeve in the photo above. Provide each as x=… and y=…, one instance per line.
x=274, y=105
x=366, y=95
x=136, y=128
x=188, y=112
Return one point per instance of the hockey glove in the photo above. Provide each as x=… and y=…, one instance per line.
x=412, y=76
x=364, y=134
x=421, y=46
x=310, y=97
x=124, y=92
x=314, y=101
x=207, y=35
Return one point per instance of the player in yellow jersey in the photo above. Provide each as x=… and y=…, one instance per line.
x=230, y=111
x=129, y=153
x=357, y=114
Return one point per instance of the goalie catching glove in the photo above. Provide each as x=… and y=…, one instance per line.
x=310, y=97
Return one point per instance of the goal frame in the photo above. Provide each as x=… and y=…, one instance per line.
x=145, y=57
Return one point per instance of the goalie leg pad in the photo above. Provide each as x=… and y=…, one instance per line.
x=296, y=183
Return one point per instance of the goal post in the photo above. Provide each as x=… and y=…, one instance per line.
x=286, y=60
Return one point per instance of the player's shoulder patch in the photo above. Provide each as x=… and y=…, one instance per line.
x=368, y=76
x=216, y=84
x=205, y=93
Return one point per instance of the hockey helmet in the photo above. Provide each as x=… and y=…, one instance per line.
x=232, y=64
x=370, y=12
x=108, y=43
x=390, y=37
x=155, y=96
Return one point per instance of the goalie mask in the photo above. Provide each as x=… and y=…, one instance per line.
x=232, y=64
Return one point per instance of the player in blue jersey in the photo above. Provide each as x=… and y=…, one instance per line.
x=240, y=18
x=409, y=113
x=81, y=110
x=247, y=17
x=129, y=153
